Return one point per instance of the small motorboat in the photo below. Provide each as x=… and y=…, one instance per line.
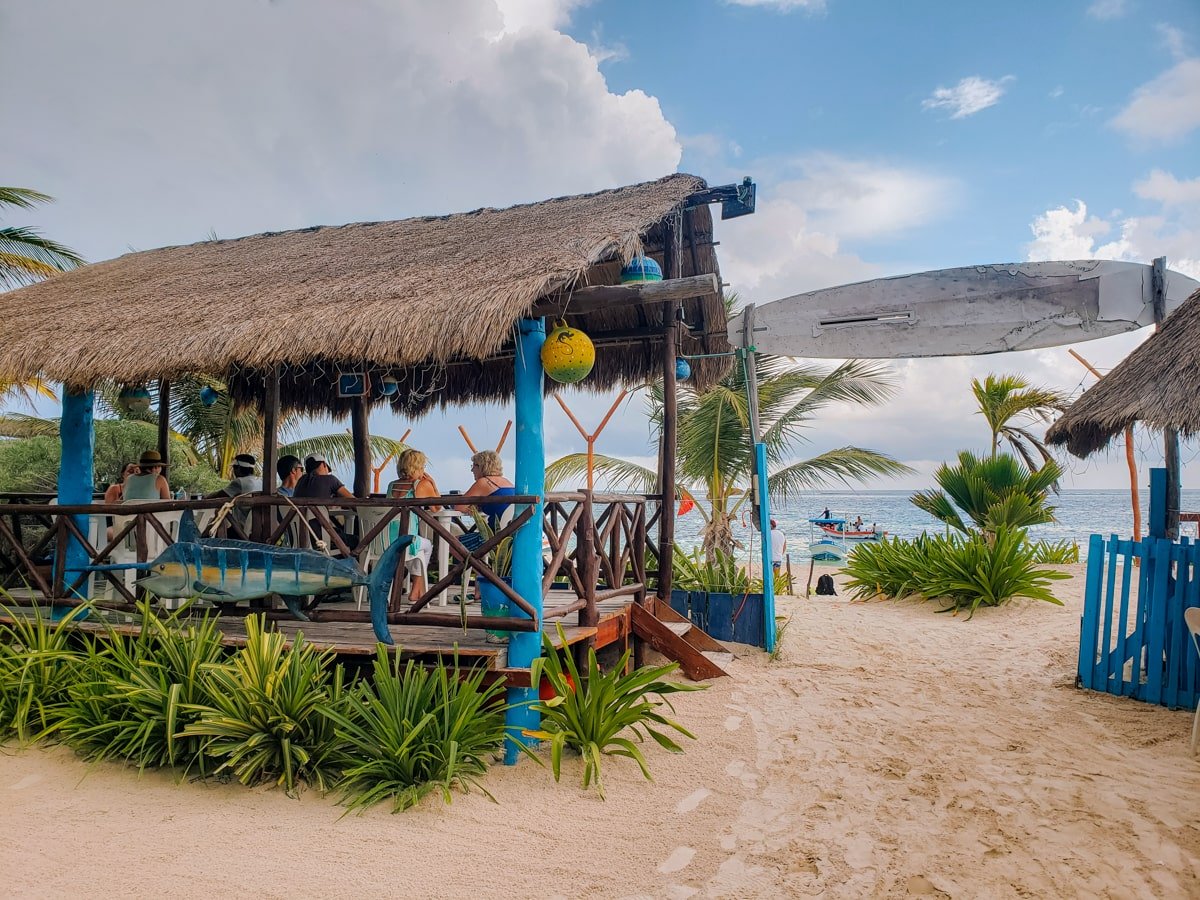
x=826, y=544
x=841, y=528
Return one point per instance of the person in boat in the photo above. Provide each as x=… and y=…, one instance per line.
x=149, y=483
x=414, y=482
x=289, y=468
x=488, y=470
x=858, y=523
x=778, y=547
x=825, y=513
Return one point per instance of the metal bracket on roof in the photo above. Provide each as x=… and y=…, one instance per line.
x=735, y=199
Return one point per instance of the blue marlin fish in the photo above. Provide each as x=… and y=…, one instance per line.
x=227, y=571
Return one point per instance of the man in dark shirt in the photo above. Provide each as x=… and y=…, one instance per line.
x=319, y=483
x=318, y=480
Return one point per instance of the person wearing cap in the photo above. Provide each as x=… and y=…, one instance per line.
x=244, y=480
x=778, y=547
x=149, y=483
x=289, y=469
x=318, y=480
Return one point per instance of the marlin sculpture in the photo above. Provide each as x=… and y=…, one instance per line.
x=228, y=571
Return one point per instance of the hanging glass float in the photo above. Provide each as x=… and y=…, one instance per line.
x=133, y=400
x=388, y=386
x=568, y=354
x=641, y=269
x=683, y=369
x=209, y=395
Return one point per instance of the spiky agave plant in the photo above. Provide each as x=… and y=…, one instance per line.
x=266, y=718
x=40, y=660
x=411, y=731
x=594, y=715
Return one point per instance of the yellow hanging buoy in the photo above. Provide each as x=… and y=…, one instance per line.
x=568, y=354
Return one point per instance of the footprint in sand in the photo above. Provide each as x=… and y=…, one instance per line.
x=692, y=800
x=27, y=781
x=733, y=723
x=680, y=858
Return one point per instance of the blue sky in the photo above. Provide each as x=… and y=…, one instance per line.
x=884, y=137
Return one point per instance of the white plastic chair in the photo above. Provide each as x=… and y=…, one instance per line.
x=368, y=518
x=1192, y=618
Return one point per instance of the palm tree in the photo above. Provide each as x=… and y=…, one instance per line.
x=993, y=493
x=714, y=454
x=1003, y=398
x=26, y=256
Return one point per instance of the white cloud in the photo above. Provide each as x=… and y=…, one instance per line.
x=1064, y=233
x=244, y=117
x=969, y=96
x=783, y=5
x=1108, y=9
x=794, y=242
x=538, y=14
x=1167, y=107
x=1172, y=40
x=1169, y=190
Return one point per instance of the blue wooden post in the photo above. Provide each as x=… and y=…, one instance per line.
x=1089, y=619
x=530, y=478
x=1158, y=503
x=75, y=477
x=764, y=526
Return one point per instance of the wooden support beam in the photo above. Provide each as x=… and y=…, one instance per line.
x=362, y=448
x=600, y=296
x=270, y=429
x=164, y=420
x=1170, y=435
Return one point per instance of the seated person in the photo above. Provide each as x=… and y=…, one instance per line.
x=244, y=480
x=414, y=482
x=489, y=482
x=149, y=482
x=319, y=483
x=289, y=469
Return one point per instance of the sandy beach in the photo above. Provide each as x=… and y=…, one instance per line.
x=889, y=752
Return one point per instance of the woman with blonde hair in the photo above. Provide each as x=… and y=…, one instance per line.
x=414, y=482
x=488, y=470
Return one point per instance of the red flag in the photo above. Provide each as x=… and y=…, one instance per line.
x=685, y=506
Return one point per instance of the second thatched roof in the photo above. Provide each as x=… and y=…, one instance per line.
x=430, y=301
x=1158, y=384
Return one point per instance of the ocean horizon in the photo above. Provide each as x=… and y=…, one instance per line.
x=1079, y=513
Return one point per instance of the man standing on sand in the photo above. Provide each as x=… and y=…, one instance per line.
x=778, y=547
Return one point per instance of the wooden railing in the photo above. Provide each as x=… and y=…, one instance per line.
x=599, y=546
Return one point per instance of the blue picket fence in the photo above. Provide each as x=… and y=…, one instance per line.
x=1133, y=641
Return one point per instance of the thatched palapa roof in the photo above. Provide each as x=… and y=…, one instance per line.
x=431, y=301
x=1158, y=384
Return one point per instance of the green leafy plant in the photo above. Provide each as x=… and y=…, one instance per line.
x=40, y=660
x=268, y=712
x=722, y=574
x=499, y=558
x=781, y=626
x=592, y=715
x=963, y=572
x=137, y=694
x=408, y=732
x=991, y=493
x=1059, y=553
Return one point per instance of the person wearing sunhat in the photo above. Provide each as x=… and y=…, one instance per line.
x=244, y=480
x=149, y=483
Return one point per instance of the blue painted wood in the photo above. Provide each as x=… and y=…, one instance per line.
x=1157, y=519
x=75, y=476
x=698, y=601
x=528, y=478
x=679, y=602
x=720, y=615
x=1172, y=645
x=1100, y=670
x=1117, y=659
x=1156, y=622
x=1089, y=620
x=764, y=530
x=750, y=624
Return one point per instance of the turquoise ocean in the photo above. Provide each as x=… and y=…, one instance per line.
x=1078, y=514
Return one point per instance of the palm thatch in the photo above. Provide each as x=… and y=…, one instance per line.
x=1154, y=385
x=430, y=301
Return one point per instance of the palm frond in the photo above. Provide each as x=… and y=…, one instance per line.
x=338, y=447
x=843, y=465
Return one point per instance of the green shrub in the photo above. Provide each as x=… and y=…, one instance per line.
x=1059, y=553
x=964, y=572
x=39, y=662
x=693, y=572
x=137, y=694
x=407, y=733
x=267, y=717
x=590, y=715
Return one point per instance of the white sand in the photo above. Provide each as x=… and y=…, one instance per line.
x=891, y=752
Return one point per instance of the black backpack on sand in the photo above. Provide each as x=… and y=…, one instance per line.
x=825, y=585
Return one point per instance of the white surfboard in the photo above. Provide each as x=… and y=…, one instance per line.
x=964, y=312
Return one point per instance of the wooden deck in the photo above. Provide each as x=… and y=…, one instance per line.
x=354, y=641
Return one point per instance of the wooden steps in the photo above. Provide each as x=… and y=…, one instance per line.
x=699, y=655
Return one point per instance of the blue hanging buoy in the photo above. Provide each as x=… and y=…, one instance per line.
x=641, y=269
x=683, y=369
x=208, y=396
x=388, y=386
x=134, y=399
